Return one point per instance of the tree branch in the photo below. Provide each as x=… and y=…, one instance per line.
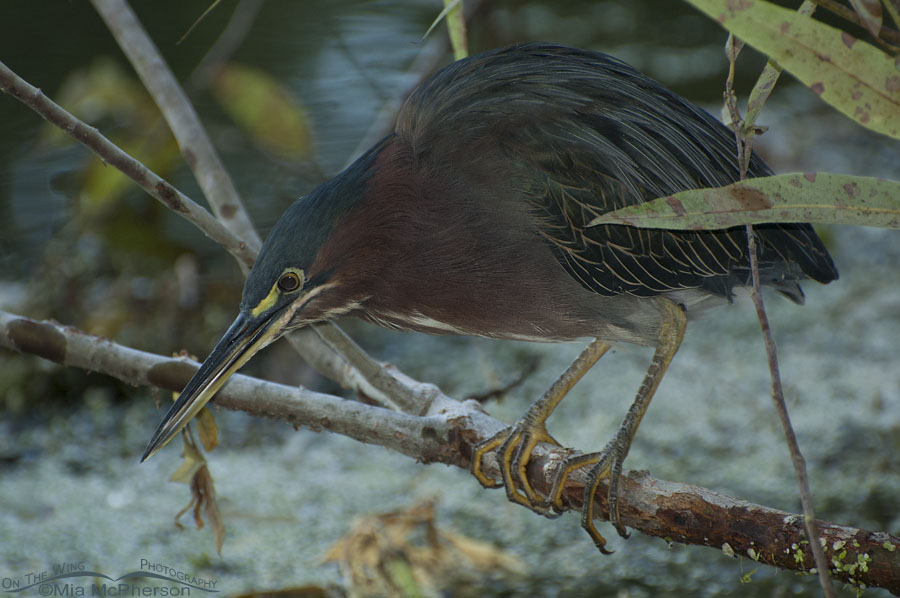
x=196, y=148
x=440, y=429
x=319, y=355
x=674, y=511
x=110, y=153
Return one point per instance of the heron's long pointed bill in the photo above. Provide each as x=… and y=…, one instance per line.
x=246, y=336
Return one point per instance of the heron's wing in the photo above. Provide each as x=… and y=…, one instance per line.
x=584, y=134
x=631, y=142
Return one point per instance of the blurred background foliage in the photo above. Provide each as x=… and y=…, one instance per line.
x=287, y=106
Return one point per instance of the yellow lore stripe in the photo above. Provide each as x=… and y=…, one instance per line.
x=266, y=303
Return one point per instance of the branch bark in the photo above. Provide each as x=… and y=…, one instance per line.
x=446, y=434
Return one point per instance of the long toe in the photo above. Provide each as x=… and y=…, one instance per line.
x=615, y=475
x=515, y=454
x=601, y=469
x=483, y=448
x=566, y=467
x=514, y=447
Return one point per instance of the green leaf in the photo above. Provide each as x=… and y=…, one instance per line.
x=797, y=197
x=855, y=77
x=456, y=27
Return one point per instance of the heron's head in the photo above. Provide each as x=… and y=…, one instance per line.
x=302, y=275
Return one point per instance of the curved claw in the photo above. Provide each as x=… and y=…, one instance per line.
x=516, y=453
x=565, y=469
x=516, y=444
x=605, y=464
x=615, y=474
x=600, y=470
x=478, y=453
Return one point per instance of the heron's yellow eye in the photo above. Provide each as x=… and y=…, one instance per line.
x=289, y=281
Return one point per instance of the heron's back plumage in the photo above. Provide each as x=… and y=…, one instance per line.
x=582, y=134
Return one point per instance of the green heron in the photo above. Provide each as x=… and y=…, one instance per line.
x=473, y=218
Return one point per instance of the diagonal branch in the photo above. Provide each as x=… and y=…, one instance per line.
x=184, y=123
x=112, y=154
x=674, y=511
x=219, y=190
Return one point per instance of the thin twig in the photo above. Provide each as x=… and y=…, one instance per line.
x=389, y=388
x=113, y=155
x=184, y=123
x=744, y=149
x=239, y=25
x=677, y=512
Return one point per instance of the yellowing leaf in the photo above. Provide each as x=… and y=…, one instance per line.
x=855, y=77
x=207, y=490
x=192, y=463
x=207, y=429
x=195, y=473
x=797, y=197
x=265, y=110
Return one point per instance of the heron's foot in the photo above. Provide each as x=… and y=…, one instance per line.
x=605, y=464
x=514, y=446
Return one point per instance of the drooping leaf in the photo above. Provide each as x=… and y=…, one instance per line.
x=207, y=429
x=207, y=489
x=193, y=462
x=855, y=77
x=194, y=472
x=796, y=197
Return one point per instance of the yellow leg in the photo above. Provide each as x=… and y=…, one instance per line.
x=517, y=442
x=608, y=462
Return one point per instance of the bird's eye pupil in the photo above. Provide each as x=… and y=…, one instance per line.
x=289, y=282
